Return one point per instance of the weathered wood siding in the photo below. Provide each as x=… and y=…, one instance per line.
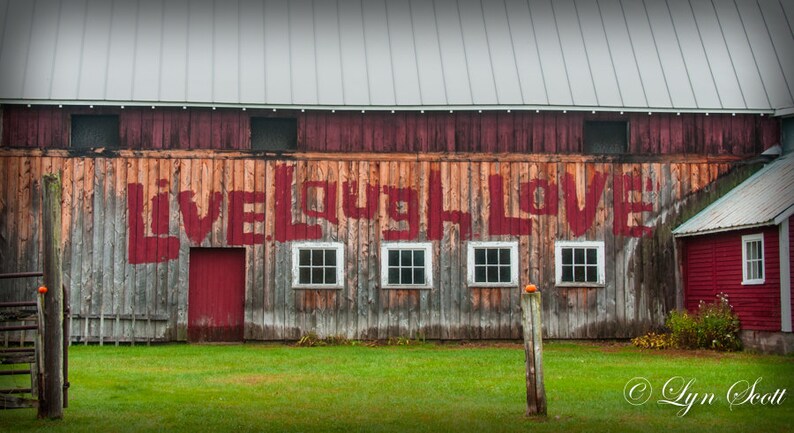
x=129, y=222
x=382, y=131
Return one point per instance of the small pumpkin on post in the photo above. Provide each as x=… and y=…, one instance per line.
x=533, y=350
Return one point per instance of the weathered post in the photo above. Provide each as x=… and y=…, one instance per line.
x=51, y=397
x=533, y=350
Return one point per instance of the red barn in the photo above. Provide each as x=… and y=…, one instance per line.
x=741, y=245
x=260, y=169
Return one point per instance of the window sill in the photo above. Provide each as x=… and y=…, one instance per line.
x=310, y=287
x=753, y=282
x=577, y=285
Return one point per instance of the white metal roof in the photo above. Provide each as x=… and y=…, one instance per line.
x=673, y=55
x=766, y=198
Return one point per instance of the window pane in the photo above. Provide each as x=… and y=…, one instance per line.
x=760, y=269
x=479, y=274
x=330, y=257
x=95, y=131
x=592, y=274
x=592, y=256
x=479, y=256
x=504, y=274
x=493, y=274
x=394, y=258
x=578, y=255
x=273, y=133
x=304, y=276
x=406, y=276
x=419, y=258
x=330, y=275
x=567, y=256
x=419, y=276
x=405, y=258
x=492, y=256
x=317, y=257
x=394, y=276
x=305, y=257
x=605, y=137
x=567, y=273
x=578, y=273
x=504, y=256
x=317, y=275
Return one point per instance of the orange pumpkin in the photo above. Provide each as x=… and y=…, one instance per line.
x=42, y=290
x=530, y=288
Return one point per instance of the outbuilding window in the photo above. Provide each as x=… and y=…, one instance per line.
x=579, y=263
x=317, y=265
x=493, y=264
x=753, y=259
x=276, y=134
x=91, y=131
x=406, y=265
x=606, y=137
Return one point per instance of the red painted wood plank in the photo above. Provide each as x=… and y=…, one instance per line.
x=147, y=129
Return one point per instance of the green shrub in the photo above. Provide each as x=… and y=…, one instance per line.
x=683, y=329
x=715, y=326
x=718, y=326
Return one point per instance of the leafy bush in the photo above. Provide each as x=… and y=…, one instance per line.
x=683, y=329
x=652, y=340
x=311, y=339
x=715, y=326
x=718, y=326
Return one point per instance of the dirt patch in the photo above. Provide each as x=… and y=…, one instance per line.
x=252, y=379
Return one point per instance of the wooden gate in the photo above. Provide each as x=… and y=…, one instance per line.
x=216, y=296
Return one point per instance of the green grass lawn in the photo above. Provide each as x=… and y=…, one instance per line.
x=450, y=388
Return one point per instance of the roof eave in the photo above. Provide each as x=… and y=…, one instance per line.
x=429, y=107
x=722, y=229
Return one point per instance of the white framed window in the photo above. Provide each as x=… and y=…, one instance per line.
x=493, y=264
x=406, y=265
x=317, y=265
x=753, y=259
x=579, y=263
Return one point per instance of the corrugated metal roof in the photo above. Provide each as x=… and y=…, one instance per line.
x=766, y=198
x=674, y=55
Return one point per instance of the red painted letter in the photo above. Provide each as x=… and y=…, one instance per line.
x=529, y=202
x=579, y=220
x=623, y=186
x=436, y=215
x=411, y=215
x=286, y=230
x=498, y=221
x=350, y=199
x=235, y=233
x=142, y=248
x=329, y=200
x=197, y=227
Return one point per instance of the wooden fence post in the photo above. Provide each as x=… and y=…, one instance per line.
x=531, y=308
x=51, y=397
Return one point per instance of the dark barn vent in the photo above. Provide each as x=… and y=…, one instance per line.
x=606, y=137
x=95, y=131
x=274, y=133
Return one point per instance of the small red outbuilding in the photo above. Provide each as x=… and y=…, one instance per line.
x=741, y=245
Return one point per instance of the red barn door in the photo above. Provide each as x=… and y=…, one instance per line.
x=216, y=296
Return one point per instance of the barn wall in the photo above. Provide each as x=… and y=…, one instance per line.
x=714, y=265
x=130, y=220
x=376, y=131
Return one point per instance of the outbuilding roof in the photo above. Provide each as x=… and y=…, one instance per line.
x=635, y=55
x=766, y=198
